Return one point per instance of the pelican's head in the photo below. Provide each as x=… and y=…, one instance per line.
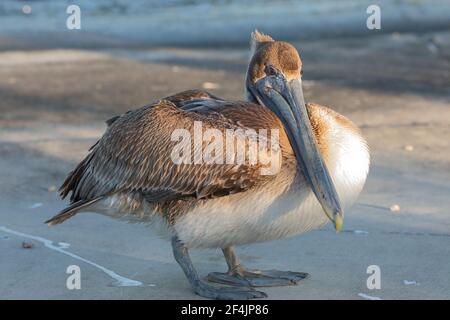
x=274, y=80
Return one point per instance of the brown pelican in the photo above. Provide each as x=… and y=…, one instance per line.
x=130, y=173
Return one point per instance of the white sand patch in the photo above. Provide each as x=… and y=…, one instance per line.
x=409, y=283
x=35, y=205
x=366, y=296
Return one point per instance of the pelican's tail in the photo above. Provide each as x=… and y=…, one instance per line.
x=70, y=211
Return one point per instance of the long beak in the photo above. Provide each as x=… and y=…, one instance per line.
x=286, y=100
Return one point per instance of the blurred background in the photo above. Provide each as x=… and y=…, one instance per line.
x=57, y=86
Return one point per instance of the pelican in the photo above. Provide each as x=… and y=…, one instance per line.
x=130, y=174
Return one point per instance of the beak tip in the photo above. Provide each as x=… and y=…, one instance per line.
x=338, y=222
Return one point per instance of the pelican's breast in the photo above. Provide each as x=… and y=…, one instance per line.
x=344, y=150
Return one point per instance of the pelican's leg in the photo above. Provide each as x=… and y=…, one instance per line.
x=204, y=289
x=237, y=275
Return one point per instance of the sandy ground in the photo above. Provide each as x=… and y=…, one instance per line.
x=395, y=87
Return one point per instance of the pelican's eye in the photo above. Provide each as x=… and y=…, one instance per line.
x=270, y=70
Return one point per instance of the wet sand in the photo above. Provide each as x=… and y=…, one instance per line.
x=395, y=87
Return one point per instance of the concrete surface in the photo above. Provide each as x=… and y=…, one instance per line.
x=52, y=107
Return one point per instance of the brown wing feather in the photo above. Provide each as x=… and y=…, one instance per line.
x=134, y=155
x=178, y=99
